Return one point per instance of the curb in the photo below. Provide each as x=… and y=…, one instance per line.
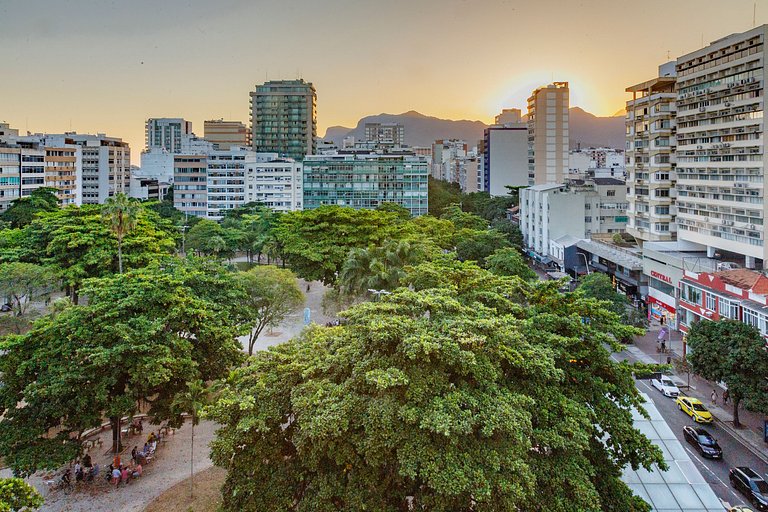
x=735, y=434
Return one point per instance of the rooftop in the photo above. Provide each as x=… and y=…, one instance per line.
x=745, y=279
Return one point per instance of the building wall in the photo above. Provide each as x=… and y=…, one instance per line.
x=166, y=133
x=720, y=134
x=226, y=134
x=190, y=184
x=284, y=118
x=366, y=181
x=548, y=134
x=506, y=157
x=10, y=176
x=277, y=184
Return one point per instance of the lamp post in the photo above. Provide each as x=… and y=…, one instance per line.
x=378, y=293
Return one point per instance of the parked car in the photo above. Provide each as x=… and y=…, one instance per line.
x=751, y=485
x=703, y=441
x=664, y=384
x=694, y=408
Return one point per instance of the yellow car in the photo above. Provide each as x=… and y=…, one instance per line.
x=694, y=408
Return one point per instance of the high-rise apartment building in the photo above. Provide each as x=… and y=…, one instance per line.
x=226, y=134
x=721, y=158
x=505, y=155
x=190, y=184
x=385, y=134
x=366, y=180
x=166, y=133
x=284, y=118
x=650, y=157
x=275, y=182
x=548, y=134
x=106, y=166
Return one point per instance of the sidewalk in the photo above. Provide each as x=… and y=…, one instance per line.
x=751, y=432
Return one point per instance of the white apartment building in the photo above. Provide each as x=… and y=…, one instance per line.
x=448, y=159
x=226, y=180
x=166, y=133
x=579, y=209
x=651, y=157
x=721, y=158
x=275, y=182
x=548, y=134
x=106, y=163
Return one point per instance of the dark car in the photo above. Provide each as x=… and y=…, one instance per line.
x=701, y=439
x=751, y=485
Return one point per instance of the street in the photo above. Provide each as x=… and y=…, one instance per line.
x=715, y=472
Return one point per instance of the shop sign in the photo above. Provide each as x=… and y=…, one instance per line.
x=661, y=277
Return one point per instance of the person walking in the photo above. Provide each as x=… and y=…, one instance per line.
x=714, y=397
x=726, y=396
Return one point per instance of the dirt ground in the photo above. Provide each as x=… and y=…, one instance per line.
x=207, y=496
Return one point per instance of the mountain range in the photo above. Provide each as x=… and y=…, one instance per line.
x=586, y=129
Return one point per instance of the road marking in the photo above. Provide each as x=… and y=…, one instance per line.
x=701, y=462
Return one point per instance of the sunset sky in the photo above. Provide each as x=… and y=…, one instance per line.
x=105, y=66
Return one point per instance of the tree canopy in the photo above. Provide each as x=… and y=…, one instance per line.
x=469, y=391
x=509, y=262
x=23, y=283
x=142, y=336
x=23, y=210
x=16, y=495
x=733, y=352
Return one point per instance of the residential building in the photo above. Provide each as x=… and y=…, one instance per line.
x=190, y=184
x=650, y=157
x=366, y=180
x=385, y=134
x=505, y=155
x=275, y=182
x=7, y=131
x=226, y=180
x=471, y=179
x=581, y=209
x=10, y=174
x=53, y=161
x=721, y=200
x=548, y=135
x=509, y=115
x=166, y=133
x=284, y=118
x=738, y=294
x=447, y=159
x=226, y=134
x=596, y=163
x=106, y=166
x=147, y=188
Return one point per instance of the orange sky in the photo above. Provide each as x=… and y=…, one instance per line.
x=105, y=66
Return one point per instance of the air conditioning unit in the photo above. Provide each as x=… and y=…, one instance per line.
x=729, y=223
x=702, y=109
x=727, y=103
x=751, y=226
x=699, y=147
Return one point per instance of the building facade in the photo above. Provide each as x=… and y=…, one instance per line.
x=505, y=156
x=284, y=118
x=721, y=200
x=651, y=158
x=190, y=184
x=276, y=183
x=548, y=134
x=166, y=133
x=385, y=134
x=227, y=134
x=106, y=166
x=366, y=180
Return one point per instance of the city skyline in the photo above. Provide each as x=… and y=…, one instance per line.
x=115, y=65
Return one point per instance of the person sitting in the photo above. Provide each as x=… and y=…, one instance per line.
x=94, y=472
x=145, y=450
x=116, y=475
x=124, y=475
x=137, y=471
x=151, y=437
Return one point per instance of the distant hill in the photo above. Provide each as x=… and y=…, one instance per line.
x=421, y=130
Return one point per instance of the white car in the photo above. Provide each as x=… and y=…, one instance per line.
x=665, y=385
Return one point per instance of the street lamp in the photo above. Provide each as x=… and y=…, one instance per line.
x=378, y=293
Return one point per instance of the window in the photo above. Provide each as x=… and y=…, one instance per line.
x=610, y=193
x=754, y=319
x=691, y=294
x=729, y=309
x=711, y=302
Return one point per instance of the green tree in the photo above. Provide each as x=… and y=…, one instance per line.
x=17, y=495
x=191, y=401
x=509, y=262
x=442, y=194
x=478, y=245
x=402, y=212
x=142, y=336
x=77, y=244
x=464, y=220
x=733, y=352
x=378, y=268
x=208, y=238
x=470, y=392
x=598, y=286
x=25, y=282
x=271, y=295
x=316, y=242
x=121, y=214
x=23, y=210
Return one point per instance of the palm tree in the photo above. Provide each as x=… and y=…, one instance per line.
x=122, y=215
x=191, y=402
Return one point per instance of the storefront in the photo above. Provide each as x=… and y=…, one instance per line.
x=661, y=311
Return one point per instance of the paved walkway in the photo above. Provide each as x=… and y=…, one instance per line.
x=751, y=432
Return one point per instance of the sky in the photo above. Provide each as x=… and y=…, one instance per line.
x=99, y=66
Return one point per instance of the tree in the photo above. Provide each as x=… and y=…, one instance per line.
x=463, y=220
x=378, y=268
x=316, y=242
x=402, y=212
x=17, y=495
x=469, y=392
x=77, y=244
x=271, y=295
x=509, y=262
x=23, y=210
x=142, y=336
x=191, y=401
x=207, y=237
x=478, y=245
x=25, y=282
x=598, y=286
x=121, y=213
x=733, y=352
x=442, y=194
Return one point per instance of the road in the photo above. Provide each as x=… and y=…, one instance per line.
x=714, y=471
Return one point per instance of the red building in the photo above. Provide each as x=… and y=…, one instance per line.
x=736, y=294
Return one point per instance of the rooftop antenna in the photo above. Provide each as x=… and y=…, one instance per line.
x=668, y=57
